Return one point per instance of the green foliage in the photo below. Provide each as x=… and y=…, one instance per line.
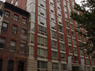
x=85, y=16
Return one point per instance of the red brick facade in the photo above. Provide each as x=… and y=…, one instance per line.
x=21, y=3
x=5, y=53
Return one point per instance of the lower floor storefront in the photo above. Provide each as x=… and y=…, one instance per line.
x=12, y=62
x=45, y=65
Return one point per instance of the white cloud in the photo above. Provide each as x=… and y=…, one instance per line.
x=2, y=0
x=78, y=1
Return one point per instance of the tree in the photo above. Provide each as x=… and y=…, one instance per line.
x=86, y=19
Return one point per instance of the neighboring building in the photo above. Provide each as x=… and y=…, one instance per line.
x=19, y=3
x=1, y=14
x=52, y=37
x=13, y=38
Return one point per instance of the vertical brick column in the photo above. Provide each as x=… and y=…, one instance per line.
x=49, y=66
x=48, y=30
x=31, y=64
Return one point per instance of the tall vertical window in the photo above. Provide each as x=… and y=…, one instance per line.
x=24, y=21
x=22, y=47
x=54, y=55
x=2, y=42
x=14, y=30
x=1, y=64
x=16, y=17
x=64, y=67
x=7, y=14
x=4, y=26
x=23, y=31
x=10, y=65
x=54, y=67
x=20, y=66
x=13, y=45
x=42, y=66
x=63, y=57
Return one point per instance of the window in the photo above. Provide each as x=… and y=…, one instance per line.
x=14, y=30
x=63, y=57
x=16, y=17
x=61, y=37
x=55, y=67
x=88, y=69
x=42, y=53
x=68, y=32
x=76, y=59
x=42, y=20
x=10, y=65
x=22, y=47
x=2, y=42
x=87, y=61
x=20, y=66
x=54, y=44
x=60, y=28
x=42, y=41
x=54, y=55
x=13, y=45
x=1, y=64
x=62, y=46
x=42, y=66
x=32, y=38
x=24, y=21
x=42, y=30
x=7, y=14
x=23, y=31
x=69, y=40
x=74, y=42
x=70, y=49
x=53, y=34
x=4, y=26
x=64, y=67
x=75, y=50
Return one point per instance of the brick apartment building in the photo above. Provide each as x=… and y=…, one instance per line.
x=13, y=38
x=51, y=36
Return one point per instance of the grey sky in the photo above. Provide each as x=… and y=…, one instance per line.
x=78, y=1
x=2, y=0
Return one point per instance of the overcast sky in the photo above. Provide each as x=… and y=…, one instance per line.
x=78, y=1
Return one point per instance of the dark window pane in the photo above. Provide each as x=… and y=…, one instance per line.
x=1, y=64
x=20, y=66
x=2, y=42
x=14, y=30
x=10, y=65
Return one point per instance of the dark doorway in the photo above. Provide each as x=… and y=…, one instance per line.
x=20, y=66
x=1, y=64
x=75, y=68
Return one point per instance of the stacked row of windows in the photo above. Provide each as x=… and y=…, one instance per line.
x=10, y=66
x=16, y=17
x=42, y=53
x=43, y=66
x=14, y=28
x=12, y=45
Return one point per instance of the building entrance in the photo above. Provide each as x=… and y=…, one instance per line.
x=75, y=68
